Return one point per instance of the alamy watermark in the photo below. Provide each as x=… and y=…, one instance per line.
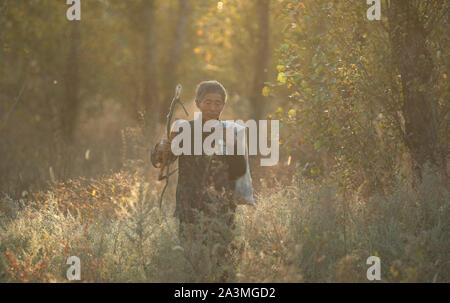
x=374, y=271
x=74, y=11
x=374, y=11
x=235, y=133
x=74, y=271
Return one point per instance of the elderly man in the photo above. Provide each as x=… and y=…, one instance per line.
x=204, y=195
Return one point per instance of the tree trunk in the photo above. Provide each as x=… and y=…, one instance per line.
x=175, y=57
x=408, y=43
x=261, y=57
x=68, y=109
x=149, y=74
x=72, y=83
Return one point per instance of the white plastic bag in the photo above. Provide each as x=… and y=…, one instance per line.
x=243, y=190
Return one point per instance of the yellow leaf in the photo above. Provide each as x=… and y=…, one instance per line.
x=93, y=192
x=265, y=91
x=281, y=78
x=280, y=68
x=393, y=271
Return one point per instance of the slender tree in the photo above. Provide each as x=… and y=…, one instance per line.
x=261, y=57
x=72, y=82
x=408, y=39
x=149, y=82
x=171, y=72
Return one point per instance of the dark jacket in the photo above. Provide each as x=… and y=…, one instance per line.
x=206, y=183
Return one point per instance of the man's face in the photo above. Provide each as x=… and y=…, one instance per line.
x=211, y=106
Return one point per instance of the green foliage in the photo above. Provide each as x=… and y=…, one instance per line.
x=341, y=81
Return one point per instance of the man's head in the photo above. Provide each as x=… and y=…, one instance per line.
x=210, y=97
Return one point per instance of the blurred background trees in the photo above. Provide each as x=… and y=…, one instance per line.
x=360, y=101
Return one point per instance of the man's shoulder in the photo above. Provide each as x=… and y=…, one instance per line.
x=237, y=126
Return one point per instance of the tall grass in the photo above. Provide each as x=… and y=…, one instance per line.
x=305, y=232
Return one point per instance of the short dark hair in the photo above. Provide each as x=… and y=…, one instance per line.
x=210, y=87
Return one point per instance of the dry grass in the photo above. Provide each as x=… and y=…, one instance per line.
x=305, y=232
